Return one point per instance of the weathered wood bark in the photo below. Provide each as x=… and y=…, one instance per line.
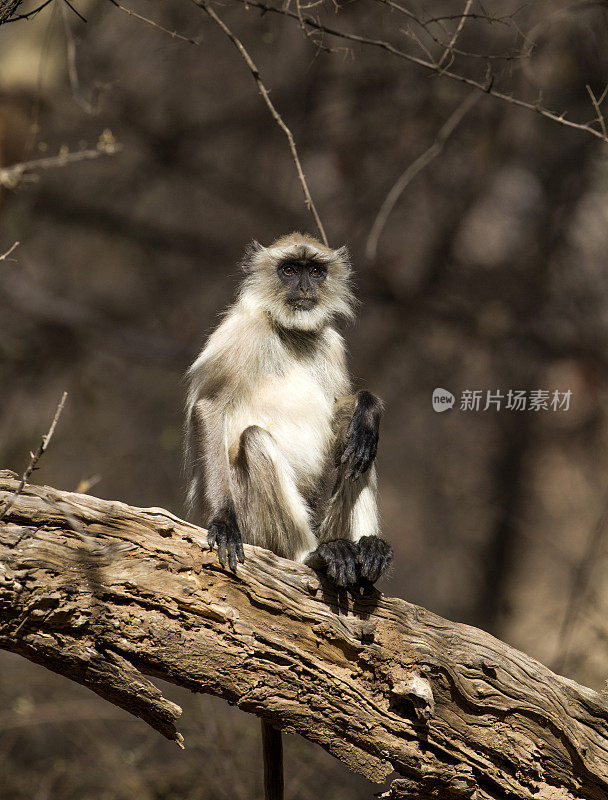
x=104, y=593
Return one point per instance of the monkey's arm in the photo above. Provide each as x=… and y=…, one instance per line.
x=362, y=435
x=374, y=554
x=350, y=551
x=210, y=481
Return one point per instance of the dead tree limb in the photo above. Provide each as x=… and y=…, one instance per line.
x=105, y=594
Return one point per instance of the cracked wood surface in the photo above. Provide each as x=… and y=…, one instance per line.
x=105, y=594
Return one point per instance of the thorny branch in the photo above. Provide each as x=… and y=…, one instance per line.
x=261, y=88
x=450, y=46
x=275, y=114
x=437, y=65
x=487, y=86
x=34, y=457
x=153, y=24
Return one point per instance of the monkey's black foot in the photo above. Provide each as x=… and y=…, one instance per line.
x=362, y=436
x=374, y=556
x=338, y=558
x=224, y=532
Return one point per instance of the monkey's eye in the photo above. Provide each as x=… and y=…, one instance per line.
x=318, y=272
x=288, y=269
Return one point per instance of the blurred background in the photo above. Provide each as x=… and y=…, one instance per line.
x=489, y=273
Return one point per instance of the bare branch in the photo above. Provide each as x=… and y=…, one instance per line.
x=88, y=107
x=413, y=169
x=75, y=11
x=172, y=34
x=35, y=458
x=505, y=19
x=261, y=88
x=11, y=176
x=431, y=66
x=275, y=114
x=4, y=256
x=596, y=105
x=449, y=49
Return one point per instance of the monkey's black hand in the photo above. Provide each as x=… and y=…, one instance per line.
x=362, y=435
x=224, y=531
x=338, y=558
x=374, y=556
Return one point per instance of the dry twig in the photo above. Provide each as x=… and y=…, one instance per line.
x=261, y=87
x=413, y=169
x=487, y=86
x=4, y=256
x=172, y=34
x=598, y=111
x=450, y=48
x=34, y=458
x=11, y=176
x=275, y=114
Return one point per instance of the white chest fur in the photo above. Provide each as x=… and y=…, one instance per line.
x=297, y=411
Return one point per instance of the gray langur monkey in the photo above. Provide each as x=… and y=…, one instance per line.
x=279, y=453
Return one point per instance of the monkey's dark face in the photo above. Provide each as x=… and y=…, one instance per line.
x=299, y=283
x=302, y=279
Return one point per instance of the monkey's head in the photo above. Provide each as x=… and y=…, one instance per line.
x=299, y=282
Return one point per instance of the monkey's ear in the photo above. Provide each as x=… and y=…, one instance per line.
x=343, y=254
x=251, y=253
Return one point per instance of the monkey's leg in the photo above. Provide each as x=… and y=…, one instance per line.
x=351, y=546
x=271, y=511
x=352, y=511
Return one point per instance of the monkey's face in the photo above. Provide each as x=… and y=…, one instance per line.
x=302, y=278
x=298, y=282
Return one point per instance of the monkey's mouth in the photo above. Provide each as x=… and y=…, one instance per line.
x=304, y=304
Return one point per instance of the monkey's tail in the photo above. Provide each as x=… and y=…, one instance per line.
x=272, y=744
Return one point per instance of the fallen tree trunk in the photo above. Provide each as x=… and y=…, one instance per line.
x=105, y=593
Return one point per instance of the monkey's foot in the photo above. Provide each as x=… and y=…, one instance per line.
x=224, y=532
x=338, y=558
x=374, y=556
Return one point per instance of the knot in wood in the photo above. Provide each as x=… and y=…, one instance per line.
x=417, y=690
